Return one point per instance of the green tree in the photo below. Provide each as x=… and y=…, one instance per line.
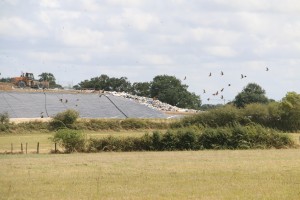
x=5, y=80
x=290, y=116
x=106, y=83
x=252, y=93
x=119, y=84
x=50, y=78
x=169, y=89
x=141, y=89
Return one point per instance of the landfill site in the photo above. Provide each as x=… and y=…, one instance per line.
x=39, y=103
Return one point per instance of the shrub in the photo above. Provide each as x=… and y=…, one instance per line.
x=68, y=117
x=133, y=124
x=4, y=118
x=4, y=127
x=70, y=140
x=56, y=124
x=33, y=125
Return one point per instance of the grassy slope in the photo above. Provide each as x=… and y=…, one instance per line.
x=248, y=174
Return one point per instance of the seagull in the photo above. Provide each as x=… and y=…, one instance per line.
x=243, y=76
x=222, y=89
x=217, y=92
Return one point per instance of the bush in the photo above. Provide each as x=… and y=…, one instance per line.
x=133, y=124
x=4, y=118
x=68, y=117
x=56, y=124
x=4, y=127
x=70, y=140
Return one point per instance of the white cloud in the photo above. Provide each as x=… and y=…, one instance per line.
x=81, y=37
x=157, y=59
x=222, y=51
x=132, y=18
x=48, y=57
x=49, y=3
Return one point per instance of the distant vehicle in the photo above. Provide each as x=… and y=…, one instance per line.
x=27, y=80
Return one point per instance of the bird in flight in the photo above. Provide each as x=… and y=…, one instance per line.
x=267, y=69
x=243, y=76
x=222, y=73
x=222, y=89
x=208, y=99
x=184, y=78
x=204, y=91
x=209, y=74
x=229, y=84
x=222, y=97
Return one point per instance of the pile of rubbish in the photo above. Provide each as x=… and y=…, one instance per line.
x=152, y=103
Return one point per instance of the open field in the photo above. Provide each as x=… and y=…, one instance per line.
x=245, y=174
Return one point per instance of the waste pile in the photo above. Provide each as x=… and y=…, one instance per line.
x=152, y=103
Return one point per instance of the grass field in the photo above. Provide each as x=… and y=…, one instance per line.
x=245, y=174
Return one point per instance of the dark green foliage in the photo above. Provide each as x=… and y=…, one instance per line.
x=252, y=93
x=4, y=118
x=284, y=115
x=68, y=117
x=56, y=124
x=132, y=123
x=50, y=78
x=141, y=89
x=222, y=116
x=290, y=111
x=4, y=122
x=70, y=140
x=215, y=138
x=169, y=89
x=4, y=127
x=234, y=137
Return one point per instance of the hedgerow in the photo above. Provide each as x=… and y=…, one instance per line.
x=231, y=137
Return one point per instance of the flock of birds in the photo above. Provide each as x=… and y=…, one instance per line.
x=220, y=92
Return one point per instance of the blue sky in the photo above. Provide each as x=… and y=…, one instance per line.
x=139, y=39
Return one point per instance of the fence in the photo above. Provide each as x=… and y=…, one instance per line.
x=14, y=149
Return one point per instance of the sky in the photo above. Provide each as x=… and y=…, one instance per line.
x=77, y=40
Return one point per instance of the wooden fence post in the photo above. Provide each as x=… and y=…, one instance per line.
x=26, y=147
x=38, y=148
x=55, y=149
x=22, y=148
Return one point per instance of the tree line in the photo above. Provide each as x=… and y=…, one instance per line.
x=165, y=88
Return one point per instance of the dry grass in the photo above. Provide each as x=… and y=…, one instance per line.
x=254, y=174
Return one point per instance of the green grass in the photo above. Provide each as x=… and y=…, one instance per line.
x=243, y=174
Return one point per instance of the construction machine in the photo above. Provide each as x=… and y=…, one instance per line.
x=27, y=80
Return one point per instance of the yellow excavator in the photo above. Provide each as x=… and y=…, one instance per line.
x=27, y=80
